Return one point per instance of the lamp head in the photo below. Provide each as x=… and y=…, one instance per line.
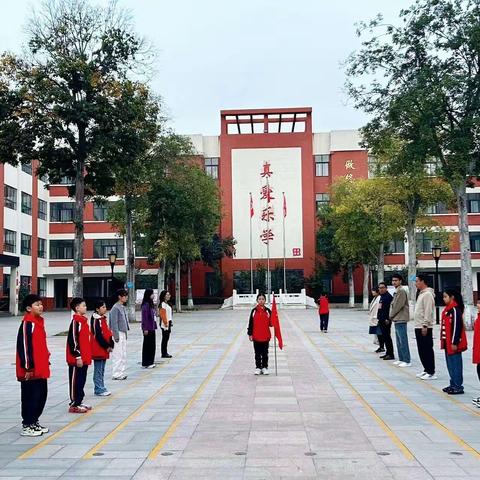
x=436, y=252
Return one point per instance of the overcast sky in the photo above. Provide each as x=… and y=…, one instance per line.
x=219, y=54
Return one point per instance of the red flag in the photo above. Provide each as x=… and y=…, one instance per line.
x=284, y=206
x=251, y=206
x=276, y=324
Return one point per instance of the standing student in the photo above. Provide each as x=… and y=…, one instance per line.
x=374, y=329
x=384, y=320
x=101, y=341
x=423, y=322
x=400, y=316
x=149, y=325
x=324, y=312
x=32, y=366
x=119, y=326
x=259, y=333
x=79, y=355
x=453, y=339
x=476, y=349
x=166, y=319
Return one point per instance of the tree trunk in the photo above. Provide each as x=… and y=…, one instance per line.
x=178, y=273
x=351, y=287
x=161, y=278
x=130, y=263
x=190, y=294
x=366, y=278
x=381, y=264
x=77, y=288
x=412, y=258
x=465, y=254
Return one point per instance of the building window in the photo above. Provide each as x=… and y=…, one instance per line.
x=431, y=168
x=322, y=200
x=10, y=194
x=211, y=167
x=26, y=203
x=25, y=244
x=322, y=163
x=372, y=166
x=395, y=246
x=42, y=209
x=424, y=243
x=10, y=241
x=61, y=211
x=62, y=181
x=101, y=248
x=44, y=178
x=475, y=242
x=42, y=286
x=42, y=248
x=140, y=250
x=473, y=202
x=61, y=249
x=100, y=211
x=26, y=283
x=6, y=284
x=437, y=209
x=27, y=168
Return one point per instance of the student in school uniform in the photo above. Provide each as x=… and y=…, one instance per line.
x=324, y=312
x=79, y=355
x=259, y=333
x=32, y=366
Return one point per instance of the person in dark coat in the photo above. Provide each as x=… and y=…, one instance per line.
x=149, y=325
x=384, y=321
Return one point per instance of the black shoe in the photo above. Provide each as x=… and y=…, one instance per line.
x=456, y=391
x=388, y=357
x=379, y=350
x=382, y=356
x=447, y=389
x=167, y=356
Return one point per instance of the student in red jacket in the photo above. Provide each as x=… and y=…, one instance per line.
x=259, y=333
x=32, y=365
x=453, y=339
x=476, y=349
x=324, y=312
x=79, y=355
x=101, y=342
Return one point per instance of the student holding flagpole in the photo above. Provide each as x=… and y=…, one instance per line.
x=259, y=333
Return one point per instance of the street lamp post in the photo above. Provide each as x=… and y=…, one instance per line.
x=112, y=258
x=436, y=254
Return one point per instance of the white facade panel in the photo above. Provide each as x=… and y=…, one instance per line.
x=321, y=143
x=345, y=140
x=211, y=146
x=197, y=142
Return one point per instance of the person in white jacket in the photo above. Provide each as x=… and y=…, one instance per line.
x=374, y=329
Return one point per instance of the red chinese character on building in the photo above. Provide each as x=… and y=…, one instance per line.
x=267, y=193
x=268, y=214
x=266, y=170
x=267, y=235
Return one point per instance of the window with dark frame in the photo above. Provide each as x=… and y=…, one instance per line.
x=26, y=203
x=100, y=211
x=61, y=249
x=395, y=246
x=102, y=247
x=25, y=244
x=475, y=242
x=211, y=167
x=42, y=209
x=321, y=199
x=473, y=202
x=9, y=241
x=61, y=211
x=42, y=286
x=322, y=165
x=10, y=195
x=27, y=168
x=437, y=209
x=42, y=248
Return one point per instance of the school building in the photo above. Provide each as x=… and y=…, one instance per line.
x=273, y=171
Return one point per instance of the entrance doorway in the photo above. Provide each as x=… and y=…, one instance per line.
x=60, y=291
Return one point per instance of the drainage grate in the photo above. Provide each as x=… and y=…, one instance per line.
x=456, y=453
x=98, y=454
x=383, y=454
x=166, y=454
x=310, y=454
x=240, y=453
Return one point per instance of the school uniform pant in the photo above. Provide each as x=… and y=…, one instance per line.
x=99, y=376
x=165, y=339
x=119, y=356
x=33, y=396
x=261, y=354
x=148, y=349
x=401, y=336
x=387, y=337
x=425, y=349
x=324, y=321
x=77, y=376
x=455, y=370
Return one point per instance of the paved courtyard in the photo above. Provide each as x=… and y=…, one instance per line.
x=333, y=412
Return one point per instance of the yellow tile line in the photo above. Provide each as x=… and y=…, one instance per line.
x=400, y=445
x=412, y=404
x=173, y=426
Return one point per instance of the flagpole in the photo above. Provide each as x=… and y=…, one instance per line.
x=275, y=350
x=251, y=246
x=268, y=253
x=284, y=255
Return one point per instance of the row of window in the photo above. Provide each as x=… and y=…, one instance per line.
x=10, y=195
x=26, y=282
x=425, y=242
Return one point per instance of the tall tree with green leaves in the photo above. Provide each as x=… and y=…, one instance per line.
x=426, y=91
x=58, y=102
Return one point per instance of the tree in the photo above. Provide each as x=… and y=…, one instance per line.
x=58, y=103
x=426, y=90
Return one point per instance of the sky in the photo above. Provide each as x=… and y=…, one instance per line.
x=224, y=54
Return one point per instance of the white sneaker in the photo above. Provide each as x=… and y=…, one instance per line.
x=151, y=366
x=421, y=374
x=104, y=394
x=257, y=371
x=427, y=376
x=397, y=362
x=404, y=364
x=30, y=431
x=265, y=371
x=43, y=429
